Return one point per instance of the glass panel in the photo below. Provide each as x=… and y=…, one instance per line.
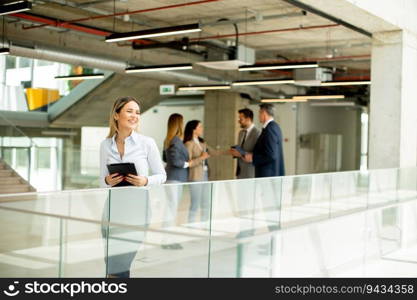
x=159, y=231
x=81, y=245
x=29, y=246
x=244, y=215
x=43, y=158
x=177, y=238
x=383, y=186
x=17, y=159
x=349, y=192
x=305, y=199
x=83, y=249
x=24, y=62
x=407, y=184
x=399, y=246
x=10, y=62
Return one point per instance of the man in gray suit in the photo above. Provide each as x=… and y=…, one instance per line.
x=246, y=140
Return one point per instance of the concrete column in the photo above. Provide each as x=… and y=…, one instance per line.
x=393, y=106
x=221, y=129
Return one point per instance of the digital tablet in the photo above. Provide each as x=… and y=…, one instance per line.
x=239, y=149
x=122, y=169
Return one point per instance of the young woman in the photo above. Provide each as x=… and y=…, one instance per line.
x=178, y=162
x=200, y=152
x=125, y=145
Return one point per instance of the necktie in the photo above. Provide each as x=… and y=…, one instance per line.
x=245, y=132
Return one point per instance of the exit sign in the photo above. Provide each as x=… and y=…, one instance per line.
x=167, y=89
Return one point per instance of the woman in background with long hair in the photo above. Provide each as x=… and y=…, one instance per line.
x=177, y=167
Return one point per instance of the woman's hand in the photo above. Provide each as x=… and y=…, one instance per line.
x=113, y=179
x=204, y=155
x=136, y=180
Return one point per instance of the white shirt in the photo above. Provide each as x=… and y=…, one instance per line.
x=267, y=122
x=140, y=150
x=248, y=130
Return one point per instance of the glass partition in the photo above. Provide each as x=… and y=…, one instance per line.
x=349, y=192
x=321, y=225
x=162, y=231
x=305, y=199
x=59, y=234
x=244, y=214
x=383, y=186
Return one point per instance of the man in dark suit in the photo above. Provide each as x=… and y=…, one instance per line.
x=267, y=154
x=268, y=160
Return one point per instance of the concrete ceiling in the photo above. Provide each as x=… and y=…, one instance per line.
x=273, y=35
x=278, y=31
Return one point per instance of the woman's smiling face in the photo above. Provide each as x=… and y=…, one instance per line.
x=128, y=117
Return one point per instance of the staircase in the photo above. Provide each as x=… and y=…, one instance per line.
x=11, y=182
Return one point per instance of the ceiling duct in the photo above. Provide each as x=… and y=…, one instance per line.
x=229, y=60
x=312, y=76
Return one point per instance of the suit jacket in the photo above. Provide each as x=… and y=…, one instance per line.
x=175, y=156
x=247, y=170
x=268, y=156
x=196, y=172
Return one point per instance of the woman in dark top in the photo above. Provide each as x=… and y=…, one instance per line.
x=177, y=165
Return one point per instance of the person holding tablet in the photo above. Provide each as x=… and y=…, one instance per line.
x=125, y=145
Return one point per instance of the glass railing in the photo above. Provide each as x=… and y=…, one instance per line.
x=326, y=225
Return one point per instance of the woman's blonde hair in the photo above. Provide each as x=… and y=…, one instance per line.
x=175, y=123
x=117, y=107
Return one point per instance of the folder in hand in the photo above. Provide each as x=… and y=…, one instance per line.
x=239, y=149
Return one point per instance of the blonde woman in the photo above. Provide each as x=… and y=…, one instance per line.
x=177, y=164
x=126, y=206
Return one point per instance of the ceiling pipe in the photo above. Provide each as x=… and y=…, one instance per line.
x=60, y=24
x=90, y=9
x=118, y=66
x=55, y=23
x=264, y=32
x=318, y=59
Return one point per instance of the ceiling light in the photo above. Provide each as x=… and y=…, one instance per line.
x=159, y=68
x=319, y=97
x=204, y=87
x=262, y=82
x=337, y=83
x=173, y=30
x=282, y=100
x=4, y=51
x=341, y=103
x=58, y=132
x=15, y=7
x=80, y=77
x=278, y=66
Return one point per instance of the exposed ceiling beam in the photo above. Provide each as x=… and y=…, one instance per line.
x=328, y=17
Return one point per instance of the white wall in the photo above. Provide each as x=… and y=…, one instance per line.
x=154, y=121
x=333, y=120
x=401, y=13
